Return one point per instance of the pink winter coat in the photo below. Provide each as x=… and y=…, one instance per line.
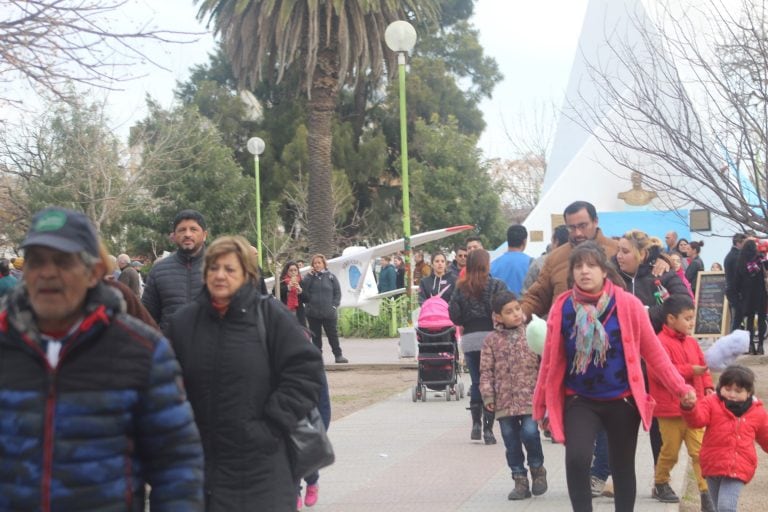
x=728, y=447
x=638, y=341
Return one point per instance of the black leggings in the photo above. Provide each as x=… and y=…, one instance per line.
x=583, y=419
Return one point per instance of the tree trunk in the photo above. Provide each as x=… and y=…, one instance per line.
x=322, y=107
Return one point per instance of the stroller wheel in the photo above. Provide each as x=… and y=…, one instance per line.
x=461, y=389
x=447, y=393
x=456, y=392
x=415, y=393
x=423, y=393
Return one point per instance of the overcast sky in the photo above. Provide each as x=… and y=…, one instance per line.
x=533, y=43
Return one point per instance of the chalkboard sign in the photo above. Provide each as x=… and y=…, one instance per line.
x=711, y=305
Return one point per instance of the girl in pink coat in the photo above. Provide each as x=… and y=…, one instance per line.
x=591, y=379
x=734, y=420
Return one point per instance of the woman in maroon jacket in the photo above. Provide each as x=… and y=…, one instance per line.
x=591, y=379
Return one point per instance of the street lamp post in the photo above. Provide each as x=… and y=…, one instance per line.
x=400, y=37
x=256, y=147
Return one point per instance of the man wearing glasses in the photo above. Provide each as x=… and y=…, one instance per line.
x=581, y=222
x=459, y=261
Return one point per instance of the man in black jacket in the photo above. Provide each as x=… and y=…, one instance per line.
x=731, y=290
x=177, y=279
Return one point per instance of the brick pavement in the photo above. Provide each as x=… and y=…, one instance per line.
x=398, y=455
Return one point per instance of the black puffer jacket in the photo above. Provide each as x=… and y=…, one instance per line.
x=475, y=314
x=246, y=391
x=173, y=282
x=642, y=285
x=321, y=293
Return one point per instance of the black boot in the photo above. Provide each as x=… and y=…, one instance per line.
x=488, y=417
x=476, y=409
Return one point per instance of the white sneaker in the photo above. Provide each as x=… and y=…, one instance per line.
x=597, y=486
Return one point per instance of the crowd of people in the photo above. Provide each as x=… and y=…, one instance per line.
x=181, y=389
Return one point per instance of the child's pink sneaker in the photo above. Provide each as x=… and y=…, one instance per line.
x=310, y=498
x=299, y=503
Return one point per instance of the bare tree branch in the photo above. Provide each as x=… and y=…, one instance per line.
x=687, y=106
x=54, y=43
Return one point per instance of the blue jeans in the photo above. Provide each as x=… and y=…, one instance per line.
x=724, y=492
x=472, y=359
x=601, y=468
x=516, y=432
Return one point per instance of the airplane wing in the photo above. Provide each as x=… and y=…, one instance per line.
x=354, y=269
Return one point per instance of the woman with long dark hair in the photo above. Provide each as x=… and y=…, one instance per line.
x=591, y=378
x=470, y=308
x=439, y=282
x=290, y=287
x=750, y=285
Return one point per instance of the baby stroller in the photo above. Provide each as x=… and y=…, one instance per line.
x=438, y=359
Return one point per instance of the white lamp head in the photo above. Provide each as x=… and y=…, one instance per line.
x=255, y=146
x=400, y=36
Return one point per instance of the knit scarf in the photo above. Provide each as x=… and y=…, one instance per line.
x=292, y=302
x=591, y=339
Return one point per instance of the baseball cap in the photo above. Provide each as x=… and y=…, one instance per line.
x=63, y=230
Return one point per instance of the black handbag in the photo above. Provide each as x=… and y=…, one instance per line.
x=309, y=448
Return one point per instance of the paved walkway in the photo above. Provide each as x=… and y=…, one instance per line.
x=398, y=455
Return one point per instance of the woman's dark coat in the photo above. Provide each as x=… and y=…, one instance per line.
x=750, y=287
x=246, y=391
x=643, y=287
x=321, y=293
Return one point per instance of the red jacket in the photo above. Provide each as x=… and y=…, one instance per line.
x=728, y=448
x=639, y=341
x=684, y=353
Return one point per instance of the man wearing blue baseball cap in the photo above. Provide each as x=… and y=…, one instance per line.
x=91, y=399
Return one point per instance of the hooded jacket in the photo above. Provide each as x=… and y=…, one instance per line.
x=321, y=293
x=110, y=417
x=684, y=351
x=251, y=375
x=638, y=341
x=508, y=370
x=728, y=447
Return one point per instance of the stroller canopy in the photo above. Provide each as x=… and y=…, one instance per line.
x=434, y=314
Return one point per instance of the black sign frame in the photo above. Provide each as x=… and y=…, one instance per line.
x=712, y=311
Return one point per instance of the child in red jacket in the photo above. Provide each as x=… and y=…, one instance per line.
x=734, y=419
x=686, y=355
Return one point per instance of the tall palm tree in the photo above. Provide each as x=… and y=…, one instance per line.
x=335, y=42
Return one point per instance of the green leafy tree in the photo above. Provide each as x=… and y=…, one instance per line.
x=186, y=165
x=333, y=44
x=449, y=184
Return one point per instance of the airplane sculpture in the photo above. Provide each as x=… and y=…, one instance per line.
x=354, y=269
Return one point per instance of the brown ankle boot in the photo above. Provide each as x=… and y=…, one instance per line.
x=521, y=490
x=539, y=477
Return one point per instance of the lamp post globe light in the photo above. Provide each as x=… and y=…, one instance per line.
x=256, y=147
x=400, y=37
